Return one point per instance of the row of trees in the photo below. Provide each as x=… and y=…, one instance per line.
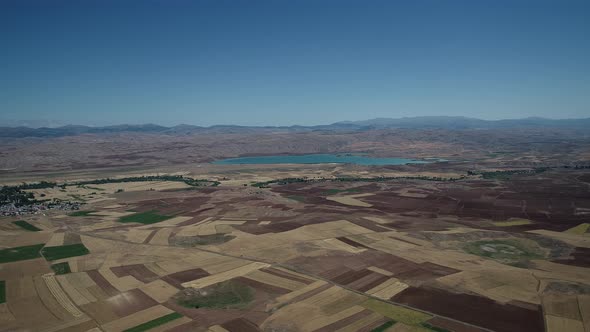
x=18, y=196
x=284, y=181
x=177, y=178
x=507, y=173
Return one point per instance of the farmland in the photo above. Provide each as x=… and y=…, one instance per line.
x=482, y=242
x=149, y=217
x=20, y=253
x=61, y=268
x=154, y=323
x=64, y=251
x=25, y=225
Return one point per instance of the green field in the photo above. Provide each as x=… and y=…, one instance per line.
x=59, y=252
x=2, y=291
x=434, y=328
x=155, y=322
x=20, y=253
x=61, y=268
x=81, y=213
x=224, y=295
x=25, y=225
x=383, y=327
x=580, y=229
x=148, y=217
x=512, y=222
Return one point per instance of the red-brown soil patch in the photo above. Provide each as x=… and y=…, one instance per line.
x=139, y=271
x=425, y=271
x=176, y=279
x=361, y=280
x=452, y=325
x=352, y=242
x=172, y=205
x=104, y=284
x=347, y=278
x=240, y=325
x=580, y=257
x=473, y=309
x=336, y=271
x=345, y=268
x=368, y=282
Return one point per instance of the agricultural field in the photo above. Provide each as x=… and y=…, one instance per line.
x=332, y=248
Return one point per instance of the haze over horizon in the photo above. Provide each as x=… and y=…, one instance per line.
x=285, y=63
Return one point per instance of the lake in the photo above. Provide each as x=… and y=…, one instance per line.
x=321, y=159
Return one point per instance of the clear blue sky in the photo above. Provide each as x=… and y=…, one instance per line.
x=282, y=62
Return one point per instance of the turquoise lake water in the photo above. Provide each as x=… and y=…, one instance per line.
x=321, y=159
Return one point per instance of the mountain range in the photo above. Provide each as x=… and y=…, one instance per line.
x=424, y=122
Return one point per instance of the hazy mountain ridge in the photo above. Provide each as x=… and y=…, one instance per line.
x=424, y=122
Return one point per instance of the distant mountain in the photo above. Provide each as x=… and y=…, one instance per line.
x=424, y=122
x=30, y=123
x=459, y=122
x=72, y=130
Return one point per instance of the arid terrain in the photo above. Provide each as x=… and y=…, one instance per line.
x=495, y=238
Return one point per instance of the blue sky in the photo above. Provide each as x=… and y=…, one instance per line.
x=281, y=62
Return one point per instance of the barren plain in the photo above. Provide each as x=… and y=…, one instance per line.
x=494, y=239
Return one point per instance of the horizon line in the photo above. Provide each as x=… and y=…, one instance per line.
x=342, y=122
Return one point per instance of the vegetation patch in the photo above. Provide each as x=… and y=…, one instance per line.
x=434, y=328
x=579, y=230
x=66, y=251
x=25, y=225
x=81, y=213
x=512, y=222
x=148, y=217
x=20, y=253
x=506, y=175
x=509, y=251
x=383, y=327
x=178, y=178
x=397, y=313
x=16, y=196
x=61, y=268
x=155, y=322
x=266, y=184
x=2, y=291
x=224, y=295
